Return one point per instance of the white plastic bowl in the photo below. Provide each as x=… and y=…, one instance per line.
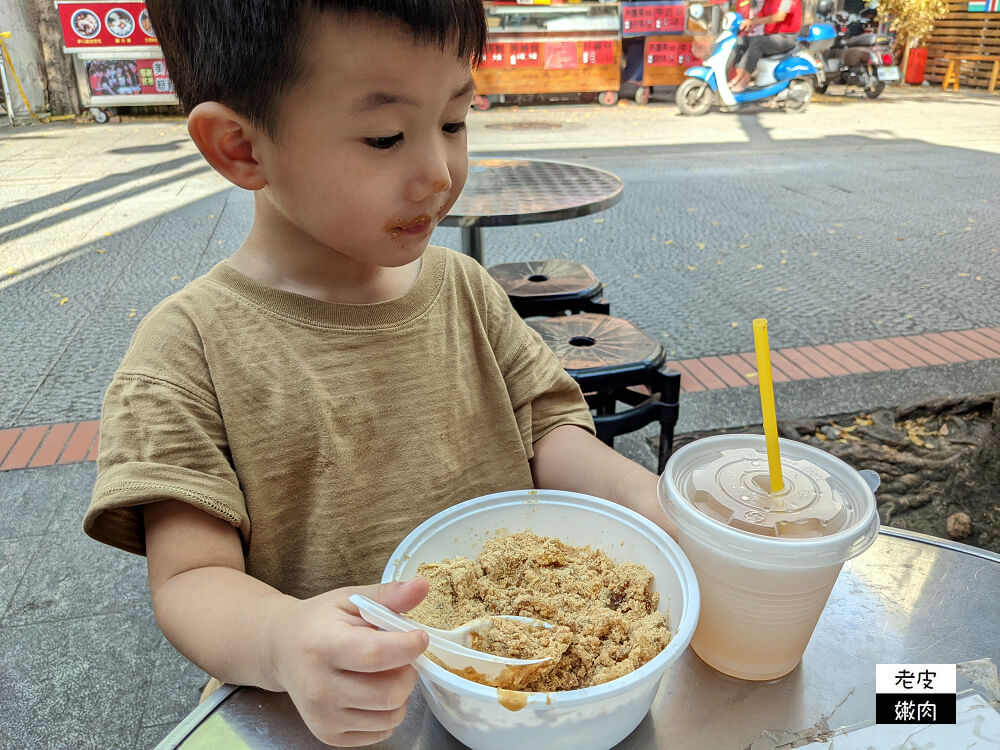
x=596, y=717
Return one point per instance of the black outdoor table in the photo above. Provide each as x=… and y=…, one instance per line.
x=909, y=599
x=504, y=192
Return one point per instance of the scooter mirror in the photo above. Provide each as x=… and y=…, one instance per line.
x=696, y=11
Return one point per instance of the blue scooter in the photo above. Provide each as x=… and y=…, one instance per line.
x=789, y=77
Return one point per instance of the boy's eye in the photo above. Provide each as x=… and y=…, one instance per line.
x=453, y=127
x=386, y=142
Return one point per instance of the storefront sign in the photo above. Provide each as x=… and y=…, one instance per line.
x=495, y=56
x=127, y=77
x=663, y=54
x=105, y=25
x=561, y=56
x=598, y=53
x=646, y=19
x=524, y=55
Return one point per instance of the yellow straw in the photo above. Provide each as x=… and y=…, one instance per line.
x=767, y=403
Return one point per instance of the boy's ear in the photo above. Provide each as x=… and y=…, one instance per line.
x=226, y=140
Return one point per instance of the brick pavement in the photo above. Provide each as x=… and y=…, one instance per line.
x=74, y=442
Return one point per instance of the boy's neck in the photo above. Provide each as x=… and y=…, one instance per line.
x=300, y=265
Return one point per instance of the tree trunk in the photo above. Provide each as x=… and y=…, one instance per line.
x=62, y=93
x=984, y=467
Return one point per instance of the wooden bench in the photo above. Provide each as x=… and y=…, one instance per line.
x=955, y=68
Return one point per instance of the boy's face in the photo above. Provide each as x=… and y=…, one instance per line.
x=372, y=147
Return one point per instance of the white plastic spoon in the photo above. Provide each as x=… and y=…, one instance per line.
x=451, y=646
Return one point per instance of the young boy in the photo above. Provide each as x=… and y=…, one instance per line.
x=279, y=425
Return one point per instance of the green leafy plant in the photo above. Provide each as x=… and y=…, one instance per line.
x=912, y=20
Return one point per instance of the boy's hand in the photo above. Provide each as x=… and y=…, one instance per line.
x=350, y=682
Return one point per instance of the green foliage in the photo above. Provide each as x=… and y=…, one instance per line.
x=912, y=20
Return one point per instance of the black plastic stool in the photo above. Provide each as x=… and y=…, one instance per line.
x=550, y=287
x=613, y=360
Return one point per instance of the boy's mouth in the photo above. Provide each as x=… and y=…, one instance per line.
x=416, y=225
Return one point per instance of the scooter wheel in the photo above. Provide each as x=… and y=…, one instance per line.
x=608, y=98
x=694, y=97
x=642, y=95
x=800, y=93
x=482, y=103
x=872, y=92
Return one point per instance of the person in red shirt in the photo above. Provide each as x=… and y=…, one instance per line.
x=781, y=20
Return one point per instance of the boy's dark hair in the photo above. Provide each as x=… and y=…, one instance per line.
x=247, y=54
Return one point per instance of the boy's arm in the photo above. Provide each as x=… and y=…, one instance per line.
x=350, y=683
x=570, y=458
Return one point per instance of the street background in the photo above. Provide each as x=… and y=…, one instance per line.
x=856, y=220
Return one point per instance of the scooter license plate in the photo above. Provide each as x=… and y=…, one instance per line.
x=888, y=73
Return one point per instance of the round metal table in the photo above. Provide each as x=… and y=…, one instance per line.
x=909, y=599
x=505, y=192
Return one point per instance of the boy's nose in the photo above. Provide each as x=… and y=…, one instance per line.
x=431, y=176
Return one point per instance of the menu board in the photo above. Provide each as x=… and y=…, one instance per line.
x=666, y=53
x=127, y=77
x=524, y=55
x=105, y=25
x=598, y=52
x=647, y=19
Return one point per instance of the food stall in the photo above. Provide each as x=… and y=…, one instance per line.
x=116, y=56
x=672, y=39
x=550, y=49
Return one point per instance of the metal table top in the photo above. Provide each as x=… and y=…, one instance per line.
x=503, y=192
x=909, y=599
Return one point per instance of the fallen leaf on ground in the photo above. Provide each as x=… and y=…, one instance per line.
x=692, y=268
x=700, y=245
x=64, y=300
x=735, y=324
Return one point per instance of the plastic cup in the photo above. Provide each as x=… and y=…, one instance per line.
x=765, y=562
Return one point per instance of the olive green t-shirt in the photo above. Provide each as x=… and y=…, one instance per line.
x=325, y=432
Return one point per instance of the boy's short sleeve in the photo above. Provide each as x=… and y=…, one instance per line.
x=160, y=440
x=542, y=393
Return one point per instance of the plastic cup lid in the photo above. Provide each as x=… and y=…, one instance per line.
x=715, y=490
x=733, y=486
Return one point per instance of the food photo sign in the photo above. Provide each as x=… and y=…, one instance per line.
x=102, y=25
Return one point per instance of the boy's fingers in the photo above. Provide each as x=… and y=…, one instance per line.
x=355, y=720
x=365, y=650
x=382, y=691
x=399, y=597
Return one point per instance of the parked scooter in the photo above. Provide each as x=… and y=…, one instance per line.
x=788, y=78
x=859, y=57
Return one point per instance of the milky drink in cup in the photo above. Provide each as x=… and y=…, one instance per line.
x=765, y=562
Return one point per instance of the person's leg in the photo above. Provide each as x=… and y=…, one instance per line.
x=741, y=49
x=760, y=46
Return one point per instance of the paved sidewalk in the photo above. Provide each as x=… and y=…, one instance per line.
x=865, y=231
